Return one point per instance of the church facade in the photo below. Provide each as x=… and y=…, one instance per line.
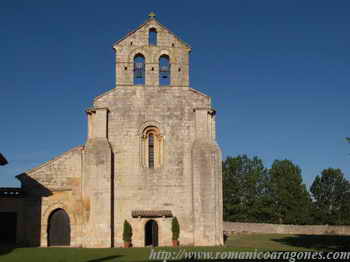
x=150, y=155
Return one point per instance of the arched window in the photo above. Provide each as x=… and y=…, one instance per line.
x=152, y=147
x=139, y=69
x=151, y=150
x=164, y=70
x=152, y=36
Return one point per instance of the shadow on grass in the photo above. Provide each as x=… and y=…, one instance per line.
x=318, y=242
x=225, y=237
x=103, y=259
x=6, y=249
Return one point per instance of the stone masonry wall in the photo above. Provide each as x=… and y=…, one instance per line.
x=235, y=227
x=137, y=43
x=171, y=110
x=165, y=188
x=55, y=184
x=101, y=183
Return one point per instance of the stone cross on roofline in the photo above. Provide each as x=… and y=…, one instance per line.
x=152, y=15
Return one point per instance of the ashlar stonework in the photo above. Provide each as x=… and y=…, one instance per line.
x=150, y=154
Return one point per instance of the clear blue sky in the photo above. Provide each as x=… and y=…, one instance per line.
x=278, y=73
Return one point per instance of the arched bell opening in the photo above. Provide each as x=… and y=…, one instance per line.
x=152, y=36
x=164, y=70
x=139, y=69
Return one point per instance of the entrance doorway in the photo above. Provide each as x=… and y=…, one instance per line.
x=58, y=228
x=8, y=227
x=151, y=233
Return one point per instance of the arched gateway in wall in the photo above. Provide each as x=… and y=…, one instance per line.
x=58, y=228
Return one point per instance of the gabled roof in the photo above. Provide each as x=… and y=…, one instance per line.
x=28, y=172
x=151, y=18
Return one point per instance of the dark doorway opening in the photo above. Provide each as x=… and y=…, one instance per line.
x=8, y=227
x=151, y=233
x=58, y=228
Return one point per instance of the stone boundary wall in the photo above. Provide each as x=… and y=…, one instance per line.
x=236, y=227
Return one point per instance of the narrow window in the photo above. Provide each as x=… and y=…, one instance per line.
x=139, y=69
x=152, y=147
x=152, y=36
x=151, y=150
x=164, y=70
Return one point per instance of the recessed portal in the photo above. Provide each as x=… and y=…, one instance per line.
x=58, y=228
x=151, y=233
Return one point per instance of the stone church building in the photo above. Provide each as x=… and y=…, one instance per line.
x=150, y=155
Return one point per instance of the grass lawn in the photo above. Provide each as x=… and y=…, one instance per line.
x=287, y=242
x=242, y=242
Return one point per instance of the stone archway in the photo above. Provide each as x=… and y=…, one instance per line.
x=58, y=228
x=151, y=233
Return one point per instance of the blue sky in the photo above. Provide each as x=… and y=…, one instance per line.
x=278, y=73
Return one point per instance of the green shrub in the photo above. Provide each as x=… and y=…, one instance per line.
x=127, y=232
x=175, y=228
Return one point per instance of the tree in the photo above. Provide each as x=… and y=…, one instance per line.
x=243, y=189
x=287, y=195
x=331, y=194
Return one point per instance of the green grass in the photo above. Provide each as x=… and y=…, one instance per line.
x=241, y=242
x=287, y=242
